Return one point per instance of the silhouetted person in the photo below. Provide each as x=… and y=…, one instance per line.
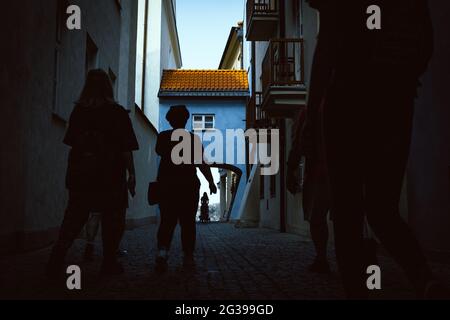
x=204, y=208
x=316, y=188
x=102, y=139
x=316, y=193
x=367, y=80
x=179, y=189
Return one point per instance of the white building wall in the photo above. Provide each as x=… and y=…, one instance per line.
x=168, y=41
x=307, y=21
x=162, y=53
x=153, y=62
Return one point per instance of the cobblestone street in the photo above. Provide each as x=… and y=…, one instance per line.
x=231, y=264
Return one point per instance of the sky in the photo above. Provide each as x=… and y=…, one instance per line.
x=203, y=29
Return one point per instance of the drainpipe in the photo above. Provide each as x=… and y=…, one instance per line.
x=253, y=90
x=144, y=67
x=282, y=126
x=253, y=62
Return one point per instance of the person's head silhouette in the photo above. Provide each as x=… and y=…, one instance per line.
x=97, y=90
x=178, y=116
x=205, y=194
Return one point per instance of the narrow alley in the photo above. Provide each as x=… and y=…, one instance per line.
x=232, y=263
x=279, y=121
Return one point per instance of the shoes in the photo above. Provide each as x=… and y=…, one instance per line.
x=161, y=261
x=319, y=266
x=111, y=268
x=89, y=252
x=122, y=253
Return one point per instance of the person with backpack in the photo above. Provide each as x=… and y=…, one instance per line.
x=102, y=140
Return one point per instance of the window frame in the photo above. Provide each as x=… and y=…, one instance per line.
x=203, y=122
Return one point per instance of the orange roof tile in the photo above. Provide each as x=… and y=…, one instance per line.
x=204, y=81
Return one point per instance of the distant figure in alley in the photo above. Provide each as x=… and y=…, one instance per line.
x=179, y=189
x=204, y=208
x=102, y=139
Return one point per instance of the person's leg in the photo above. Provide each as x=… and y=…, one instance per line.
x=348, y=232
x=343, y=139
x=319, y=233
x=384, y=179
x=113, y=226
x=75, y=218
x=188, y=233
x=167, y=226
x=92, y=227
x=318, y=221
x=169, y=220
x=188, y=227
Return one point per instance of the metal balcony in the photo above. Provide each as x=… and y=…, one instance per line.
x=283, y=78
x=262, y=19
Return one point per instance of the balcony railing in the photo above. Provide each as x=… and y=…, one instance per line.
x=256, y=117
x=283, y=64
x=260, y=113
x=261, y=8
x=266, y=13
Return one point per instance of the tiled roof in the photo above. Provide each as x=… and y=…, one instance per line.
x=204, y=82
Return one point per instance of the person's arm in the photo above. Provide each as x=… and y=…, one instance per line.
x=72, y=132
x=297, y=151
x=206, y=171
x=205, y=168
x=129, y=144
x=158, y=146
x=129, y=164
x=296, y=154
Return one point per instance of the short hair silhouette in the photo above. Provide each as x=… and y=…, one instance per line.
x=178, y=116
x=97, y=90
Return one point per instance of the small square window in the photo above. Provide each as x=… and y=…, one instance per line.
x=203, y=122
